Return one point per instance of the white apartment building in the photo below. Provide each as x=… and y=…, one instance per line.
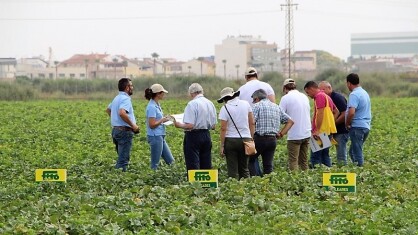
x=7, y=68
x=235, y=54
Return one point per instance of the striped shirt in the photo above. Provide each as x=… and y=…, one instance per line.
x=267, y=117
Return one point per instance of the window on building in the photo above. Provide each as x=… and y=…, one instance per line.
x=72, y=75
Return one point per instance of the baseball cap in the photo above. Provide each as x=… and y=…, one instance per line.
x=157, y=88
x=288, y=81
x=250, y=71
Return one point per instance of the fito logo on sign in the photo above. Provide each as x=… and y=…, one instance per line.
x=208, y=178
x=341, y=182
x=51, y=175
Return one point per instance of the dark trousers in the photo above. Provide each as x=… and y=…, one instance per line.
x=236, y=160
x=265, y=146
x=197, y=146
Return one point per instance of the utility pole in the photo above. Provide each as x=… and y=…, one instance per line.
x=289, y=32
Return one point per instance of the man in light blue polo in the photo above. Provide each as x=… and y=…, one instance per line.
x=199, y=118
x=358, y=118
x=123, y=122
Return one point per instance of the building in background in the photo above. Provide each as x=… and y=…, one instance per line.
x=34, y=67
x=303, y=64
x=235, y=54
x=98, y=66
x=8, y=68
x=395, y=44
x=202, y=66
x=384, y=52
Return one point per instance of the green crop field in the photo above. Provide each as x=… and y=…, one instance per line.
x=97, y=199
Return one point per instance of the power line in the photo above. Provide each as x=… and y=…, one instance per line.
x=140, y=17
x=354, y=16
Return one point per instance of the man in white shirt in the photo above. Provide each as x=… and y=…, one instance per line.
x=247, y=90
x=254, y=84
x=199, y=118
x=296, y=105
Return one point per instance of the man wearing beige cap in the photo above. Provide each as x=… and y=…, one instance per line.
x=247, y=90
x=199, y=117
x=254, y=84
x=296, y=105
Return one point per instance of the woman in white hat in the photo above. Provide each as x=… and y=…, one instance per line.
x=155, y=128
x=236, y=121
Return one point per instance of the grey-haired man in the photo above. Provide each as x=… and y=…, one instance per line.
x=267, y=118
x=199, y=117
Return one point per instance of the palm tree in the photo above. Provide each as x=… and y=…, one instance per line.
x=86, y=63
x=97, y=61
x=237, y=66
x=155, y=57
x=189, y=67
x=164, y=67
x=125, y=64
x=224, y=61
x=201, y=64
x=56, y=68
x=115, y=61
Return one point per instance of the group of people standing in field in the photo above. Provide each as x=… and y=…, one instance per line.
x=250, y=113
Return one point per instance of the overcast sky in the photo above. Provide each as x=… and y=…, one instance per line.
x=186, y=29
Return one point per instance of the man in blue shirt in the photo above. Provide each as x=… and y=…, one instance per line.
x=358, y=118
x=123, y=122
x=199, y=117
x=342, y=134
x=267, y=118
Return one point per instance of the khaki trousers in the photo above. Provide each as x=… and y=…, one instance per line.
x=298, y=154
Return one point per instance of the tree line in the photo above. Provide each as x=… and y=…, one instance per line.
x=23, y=88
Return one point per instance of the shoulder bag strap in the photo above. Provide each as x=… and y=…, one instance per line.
x=233, y=121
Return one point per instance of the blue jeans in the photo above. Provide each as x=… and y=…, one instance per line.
x=265, y=146
x=159, y=148
x=321, y=157
x=357, y=136
x=341, y=147
x=123, y=143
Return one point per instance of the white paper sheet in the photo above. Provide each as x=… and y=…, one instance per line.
x=178, y=117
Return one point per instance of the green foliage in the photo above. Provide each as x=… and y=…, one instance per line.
x=97, y=199
x=326, y=60
x=377, y=84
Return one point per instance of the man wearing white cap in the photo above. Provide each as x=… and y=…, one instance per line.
x=296, y=105
x=199, y=117
x=254, y=84
x=247, y=90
